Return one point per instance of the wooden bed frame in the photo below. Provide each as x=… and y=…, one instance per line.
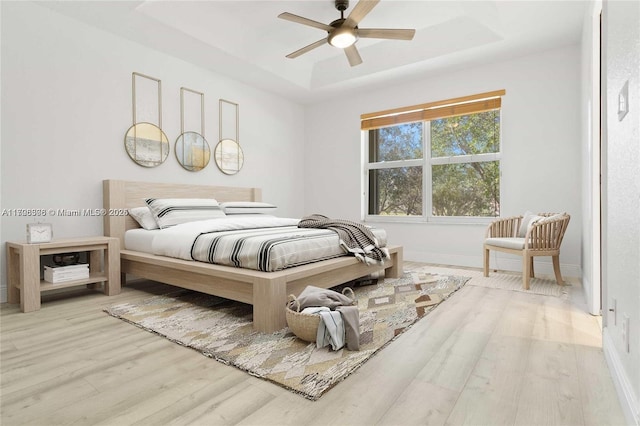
x=266, y=291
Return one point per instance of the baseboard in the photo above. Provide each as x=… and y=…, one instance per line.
x=441, y=259
x=626, y=395
x=501, y=263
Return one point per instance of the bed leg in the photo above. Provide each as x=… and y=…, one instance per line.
x=396, y=269
x=269, y=299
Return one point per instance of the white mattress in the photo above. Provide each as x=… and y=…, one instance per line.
x=264, y=244
x=140, y=240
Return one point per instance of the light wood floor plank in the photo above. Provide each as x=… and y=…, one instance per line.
x=550, y=392
x=227, y=407
x=434, y=407
x=491, y=394
x=174, y=386
x=483, y=357
x=599, y=403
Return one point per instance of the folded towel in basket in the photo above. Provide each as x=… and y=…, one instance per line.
x=339, y=319
x=351, y=320
x=315, y=310
x=330, y=330
x=317, y=296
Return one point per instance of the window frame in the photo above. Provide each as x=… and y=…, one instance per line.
x=427, y=162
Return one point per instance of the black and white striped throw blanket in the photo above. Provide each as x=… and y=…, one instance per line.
x=355, y=238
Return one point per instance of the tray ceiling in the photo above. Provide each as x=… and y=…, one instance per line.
x=246, y=41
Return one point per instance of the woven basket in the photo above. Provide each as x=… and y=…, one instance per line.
x=305, y=326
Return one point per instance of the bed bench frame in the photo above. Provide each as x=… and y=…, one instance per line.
x=266, y=291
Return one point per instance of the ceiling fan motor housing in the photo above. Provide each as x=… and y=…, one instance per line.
x=342, y=5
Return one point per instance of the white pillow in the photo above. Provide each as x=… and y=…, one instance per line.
x=247, y=207
x=143, y=216
x=528, y=220
x=174, y=211
x=551, y=218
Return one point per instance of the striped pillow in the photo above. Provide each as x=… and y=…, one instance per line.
x=174, y=211
x=247, y=207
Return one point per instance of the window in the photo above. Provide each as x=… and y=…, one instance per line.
x=435, y=161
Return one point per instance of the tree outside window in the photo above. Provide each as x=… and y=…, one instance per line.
x=461, y=160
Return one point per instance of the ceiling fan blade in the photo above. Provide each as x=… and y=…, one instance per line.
x=360, y=10
x=306, y=48
x=304, y=21
x=352, y=55
x=394, y=34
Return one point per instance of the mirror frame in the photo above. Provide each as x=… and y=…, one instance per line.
x=234, y=152
x=198, y=138
x=131, y=141
x=131, y=144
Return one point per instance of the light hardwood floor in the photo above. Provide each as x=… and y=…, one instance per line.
x=484, y=357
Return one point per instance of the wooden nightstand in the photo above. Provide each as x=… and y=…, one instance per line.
x=23, y=268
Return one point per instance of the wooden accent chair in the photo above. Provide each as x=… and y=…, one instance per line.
x=528, y=236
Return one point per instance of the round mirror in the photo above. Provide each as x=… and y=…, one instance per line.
x=146, y=144
x=229, y=156
x=192, y=151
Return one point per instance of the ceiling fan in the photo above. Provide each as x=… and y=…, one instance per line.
x=344, y=32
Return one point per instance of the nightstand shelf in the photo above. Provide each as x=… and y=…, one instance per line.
x=23, y=268
x=94, y=278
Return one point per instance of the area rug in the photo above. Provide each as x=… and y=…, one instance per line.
x=512, y=281
x=222, y=329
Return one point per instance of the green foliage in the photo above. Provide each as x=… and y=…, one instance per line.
x=469, y=189
x=466, y=189
x=458, y=189
x=399, y=191
x=396, y=191
x=403, y=142
x=466, y=134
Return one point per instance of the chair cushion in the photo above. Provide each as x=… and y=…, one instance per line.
x=528, y=219
x=510, y=243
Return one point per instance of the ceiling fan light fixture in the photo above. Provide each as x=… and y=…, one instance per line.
x=343, y=32
x=342, y=37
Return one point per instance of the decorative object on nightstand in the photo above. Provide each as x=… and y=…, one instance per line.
x=65, y=259
x=60, y=274
x=39, y=233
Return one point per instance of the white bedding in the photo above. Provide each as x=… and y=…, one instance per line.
x=140, y=239
x=265, y=243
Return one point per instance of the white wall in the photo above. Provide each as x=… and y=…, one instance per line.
x=66, y=105
x=621, y=202
x=541, y=148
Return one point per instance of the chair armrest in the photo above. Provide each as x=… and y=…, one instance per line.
x=504, y=228
x=547, y=234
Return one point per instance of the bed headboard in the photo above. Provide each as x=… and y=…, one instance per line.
x=122, y=194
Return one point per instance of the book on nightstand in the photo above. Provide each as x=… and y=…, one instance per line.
x=60, y=274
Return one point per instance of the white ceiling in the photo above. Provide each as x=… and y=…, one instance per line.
x=245, y=40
